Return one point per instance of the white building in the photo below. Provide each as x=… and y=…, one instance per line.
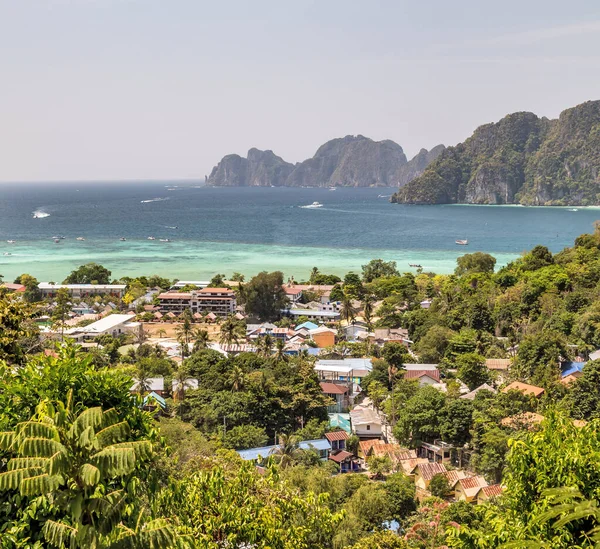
x=347, y=369
x=113, y=325
x=365, y=422
x=49, y=290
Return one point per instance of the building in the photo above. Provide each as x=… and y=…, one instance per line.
x=345, y=460
x=485, y=387
x=13, y=288
x=524, y=388
x=468, y=488
x=392, y=335
x=365, y=422
x=153, y=385
x=312, y=314
x=424, y=377
x=113, y=325
x=294, y=292
x=323, y=337
x=340, y=421
x=574, y=369
x=218, y=301
x=347, y=369
x=488, y=492
x=259, y=455
x=498, y=364
x=337, y=439
x=338, y=393
x=439, y=451
x=424, y=472
x=183, y=283
x=522, y=421
x=49, y=290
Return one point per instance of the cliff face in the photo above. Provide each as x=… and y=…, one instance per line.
x=520, y=159
x=260, y=169
x=351, y=161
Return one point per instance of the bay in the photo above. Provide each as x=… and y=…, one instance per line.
x=253, y=229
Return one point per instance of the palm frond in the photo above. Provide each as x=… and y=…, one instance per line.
x=89, y=474
x=112, y=434
x=39, y=485
x=58, y=534
x=113, y=461
x=40, y=447
x=92, y=417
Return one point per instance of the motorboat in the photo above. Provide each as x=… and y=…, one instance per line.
x=415, y=265
x=462, y=242
x=80, y=238
x=151, y=238
x=7, y=253
x=165, y=240
x=314, y=205
x=122, y=239
x=11, y=241
x=58, y=237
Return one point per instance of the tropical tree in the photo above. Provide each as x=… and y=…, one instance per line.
x=184, y=330
x=367, y=304
x=280, y=350
x=91, y=273
x=288, y=452
x=264, y=345
x=231, y=331
x=347, y=310
x=162, y=333
x=18, y=334
x=201, y=339
x=61, y=310
x=237, y=378
x=84, y=468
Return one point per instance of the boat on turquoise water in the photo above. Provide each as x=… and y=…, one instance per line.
x=151, y=238
x=313, y=205
x=462, y=242
x=11, y=241
x=415, y=265
x=80, y=238
x=165, y=240
x=122, y=239
x=573, y=210
x=57, y=241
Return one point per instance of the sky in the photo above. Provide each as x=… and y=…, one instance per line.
x=162, y=89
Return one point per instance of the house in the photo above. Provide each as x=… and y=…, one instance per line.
x=467, y=488
x=595, y=355
x=574, y=369
x=424, y=472
x=409, y=466
x=337, y=392
x=259, y=455
x=439, y=451
x=13, y=288
x=498, y=364
x=524, y=388
x=424, y=377
x=486, y=493
x=188, y=384
x=426, y=304
x=49, y=290
x=337, y=439
x=153, y=385
x=365, y=422
x=293, y=293
x=355, y=332
x=113, y=325
x=308, y=326
x=420, y=366
x=453, y=477
x=473, y=393
x=347, y=369
x=391, y=335
x=365, y=447
x=153, y=401
x=346, y=461
x=312, y=314
x=323, y=337
x=568, y=380
x=340, y=421
x=524, y=420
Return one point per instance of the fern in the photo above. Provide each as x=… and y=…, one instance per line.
x=59, y=534
x=24, y=463
x=36, y=429
x=11, y=480
x=6, y=440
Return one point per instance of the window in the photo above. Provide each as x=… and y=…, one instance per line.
x=368, y=427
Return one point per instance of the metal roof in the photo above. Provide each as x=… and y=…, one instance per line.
x=252, y=454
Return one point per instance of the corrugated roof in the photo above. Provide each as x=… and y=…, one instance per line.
x=525, y=388
x=492, y=491
x=333, y=389
x=417, y=374
x=409, y=465
x=454, y=476
x=175, y=295
x=428, y=470
x=337, y=435
x=498, y=363
x=472, y=483
x=340, y=456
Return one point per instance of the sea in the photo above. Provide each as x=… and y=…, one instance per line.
x=248, y=230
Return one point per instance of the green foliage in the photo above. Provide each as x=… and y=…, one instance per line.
x=477, y=262
x=378, y=268
x=472, y=370
x=418, y=419
x=439, y=486
x=18, y=334
x=241, y=437
x=90, y=273
x=265, y=296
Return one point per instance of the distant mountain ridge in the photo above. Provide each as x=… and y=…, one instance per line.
x=522, y=159
x=351, y=161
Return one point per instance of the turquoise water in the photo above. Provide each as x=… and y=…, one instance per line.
x=254, y=229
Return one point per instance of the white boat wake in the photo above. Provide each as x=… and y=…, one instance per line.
x=154, y=200
x=40, y=214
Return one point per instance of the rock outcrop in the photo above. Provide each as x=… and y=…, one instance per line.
x=520, y=159
x=351, y=161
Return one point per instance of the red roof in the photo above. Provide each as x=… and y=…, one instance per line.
x=429, y=470
x=175, y=295
x=333, y=389
x=416, y=374
x=216, y=291
x=13, y=287
x=340, y=456
x=292, y=290
x=525, y=388
x=492, y=491
x=337, y=435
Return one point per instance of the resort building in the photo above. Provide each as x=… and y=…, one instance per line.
x=259, y=455
x=218, y=301
x=183, y=283
x=312, y=314
x=49, y=290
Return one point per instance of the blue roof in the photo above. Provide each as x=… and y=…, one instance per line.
x=308, y=325
x=569, y=368
x=157, y=398
x=340, y=420
x=252, y=454
x=312, y=312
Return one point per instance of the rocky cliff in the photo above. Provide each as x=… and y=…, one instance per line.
x=351, y=161
x=520, y=159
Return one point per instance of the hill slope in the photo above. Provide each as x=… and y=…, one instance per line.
x=520, y=159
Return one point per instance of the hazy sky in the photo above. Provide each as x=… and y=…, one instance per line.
x=111, y=89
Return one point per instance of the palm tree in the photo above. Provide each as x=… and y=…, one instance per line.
x=347, y=311
x=202, y=339
x=237, y=378
x=142, y=376
x=288, y=452
x=313, y=274
x=162, y=333
x=265, y=346
x=231, y=331
x=279, y=350
x=76, y=460
x=184, y=346
x=368, y=310
x=184, y=330
x=180, y=383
